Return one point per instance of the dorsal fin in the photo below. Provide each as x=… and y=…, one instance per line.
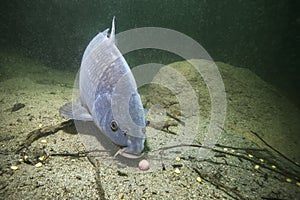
x=112, y=33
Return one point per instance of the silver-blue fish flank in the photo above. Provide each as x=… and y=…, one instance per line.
x=109, y=96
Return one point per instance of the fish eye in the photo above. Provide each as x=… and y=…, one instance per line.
x=114, y=125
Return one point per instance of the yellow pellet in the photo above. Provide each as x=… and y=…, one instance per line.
x=44, y=141
x=40, y=125
x=39, y=164
x=288, y=180
x=225, y=149
x=273, y=167
x=232, y=150
x=261, y=160
x=14, y=167
x=177, y=159
x=250, y=155
x=298, y=184
x=256, y=167
x=42, y=158
x=199, y=180
x=177, y=171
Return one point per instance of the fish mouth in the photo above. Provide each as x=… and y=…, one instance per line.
x=127, y=154
x=134, y=147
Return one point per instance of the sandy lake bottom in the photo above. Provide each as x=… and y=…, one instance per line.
x=256, y=156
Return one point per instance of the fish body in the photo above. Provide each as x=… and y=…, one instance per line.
x=108, y=95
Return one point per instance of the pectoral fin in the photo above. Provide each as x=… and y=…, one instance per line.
x=74, y=110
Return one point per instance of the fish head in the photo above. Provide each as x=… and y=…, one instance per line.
x=124, y=121
x=127, y=109
x=135, y=128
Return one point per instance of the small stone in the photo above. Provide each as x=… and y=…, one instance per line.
x=144, y=165
x=40, y=125
x=225, y=149
x=14, y=167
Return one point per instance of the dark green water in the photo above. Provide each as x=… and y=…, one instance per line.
x=261, y=35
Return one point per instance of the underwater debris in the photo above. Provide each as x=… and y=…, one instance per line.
x=275, y=150
x=177, y=165
x=176, y=119
x=17, y=107
x=42, y=132
x=164, y=126
x=231, y=191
